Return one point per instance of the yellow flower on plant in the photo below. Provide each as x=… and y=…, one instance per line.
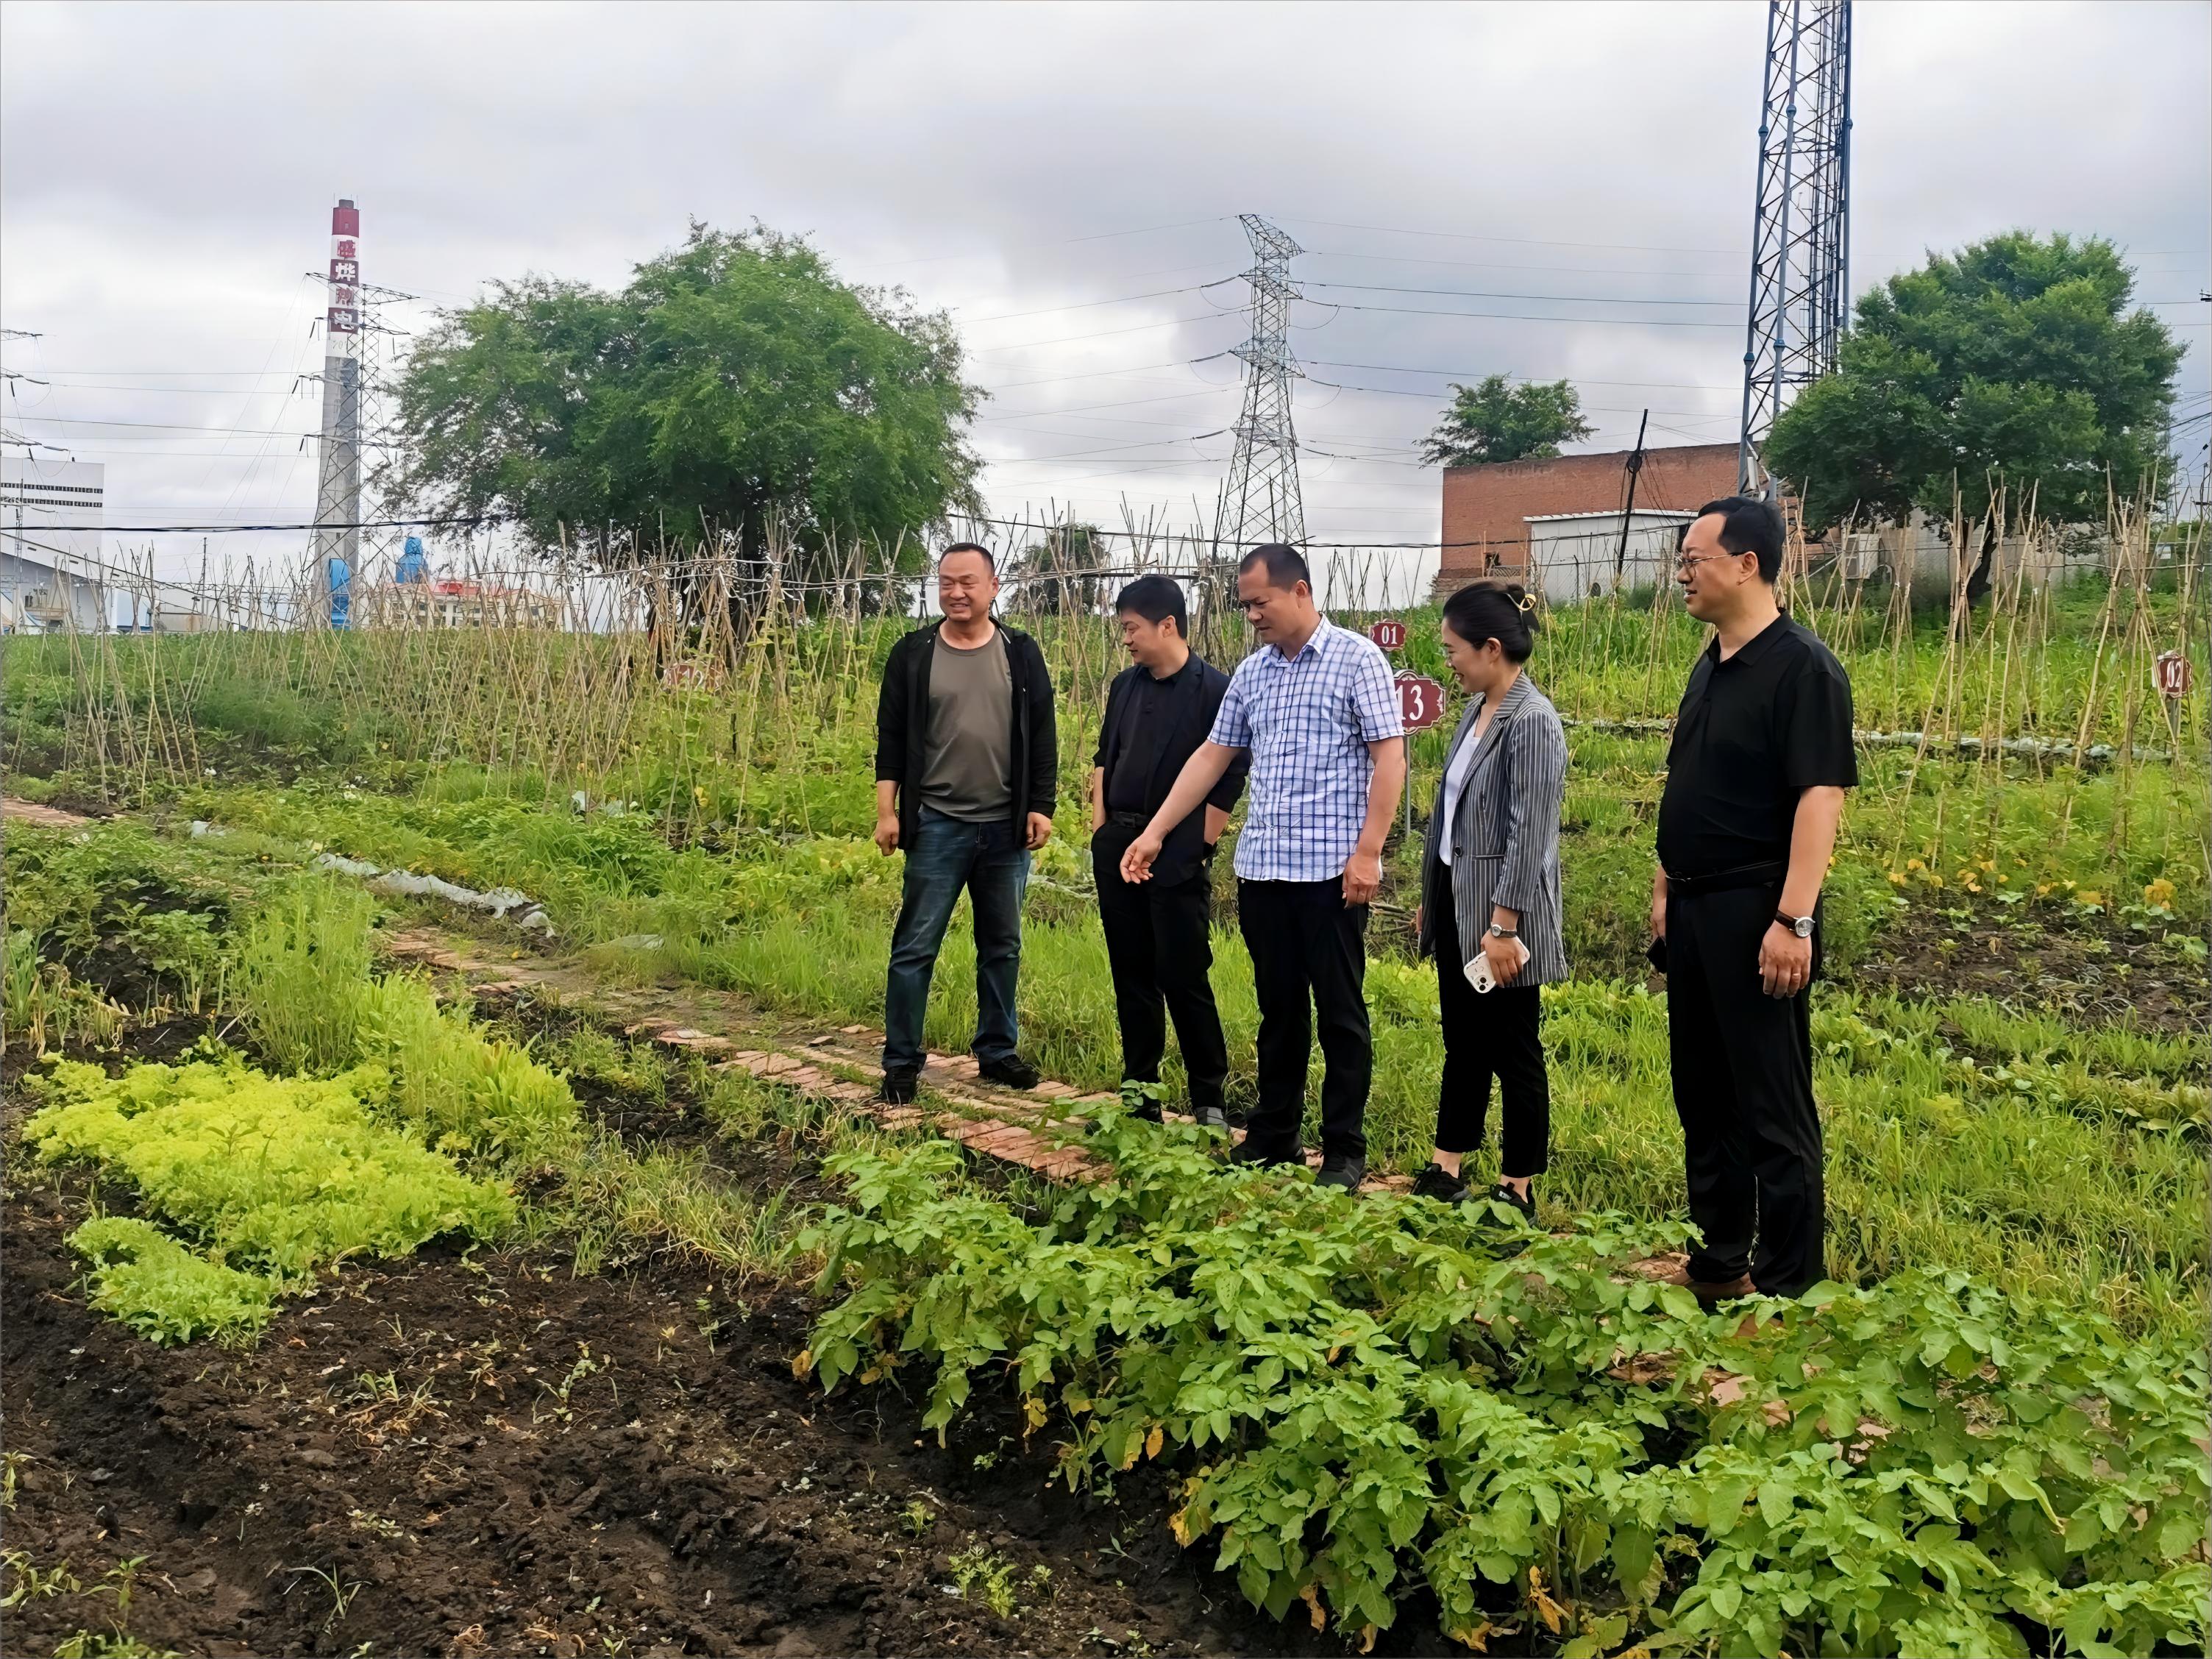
x=1914, y=864
x=2159, y=893
x=2090, y=896
x=1988, y=864
x=1934, y=880
x=1897, y=878
x=2041, y=888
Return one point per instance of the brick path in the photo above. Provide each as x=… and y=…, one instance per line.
x=1002, y=1123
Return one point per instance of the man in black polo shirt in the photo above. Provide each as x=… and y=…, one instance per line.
x=1755, y=780
x=1158, y=933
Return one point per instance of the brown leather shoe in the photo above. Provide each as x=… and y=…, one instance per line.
x=1709, y=1293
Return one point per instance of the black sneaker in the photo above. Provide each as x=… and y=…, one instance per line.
x=1250, y=1151
x=1445, y=1189
x=1213, y=1118
x=898, y=1087
x=1011, y=1070
x=1506, y=1194
x=1340, y=1169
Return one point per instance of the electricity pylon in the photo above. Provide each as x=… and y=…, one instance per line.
x=1801, y=226
x=1260, y=497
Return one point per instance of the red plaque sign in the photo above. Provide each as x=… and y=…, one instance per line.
x=1421, y=702
x=1389, y=633
x=2171, y=672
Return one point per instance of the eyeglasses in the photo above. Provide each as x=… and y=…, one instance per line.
x=1687, y=565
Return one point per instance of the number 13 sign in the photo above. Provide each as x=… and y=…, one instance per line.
x=1421, y=702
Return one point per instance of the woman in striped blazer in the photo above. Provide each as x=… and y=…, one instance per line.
x=1490, y=896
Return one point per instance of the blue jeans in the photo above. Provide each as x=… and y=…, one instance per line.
x=988, y=860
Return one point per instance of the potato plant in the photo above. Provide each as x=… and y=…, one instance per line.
x=1364, y=1396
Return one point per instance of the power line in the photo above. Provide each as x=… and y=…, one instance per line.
x=1525, y=317
x=242, y=529
x=1518, y=241
x=1479, y=293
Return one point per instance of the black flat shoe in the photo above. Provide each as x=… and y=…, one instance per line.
x=898, y=1088
x=1506, y=1194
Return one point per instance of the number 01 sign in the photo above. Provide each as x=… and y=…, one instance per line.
x=1421, y=702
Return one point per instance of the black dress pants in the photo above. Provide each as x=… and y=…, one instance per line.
x=1742, y=1064
x=1308, y=946
x=1488, y=1033
x=1159, y=944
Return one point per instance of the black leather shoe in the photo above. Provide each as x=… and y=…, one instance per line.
x=1011, y=1070
x=1434, y=1182
x=898, y=1088
x=1339, y=1171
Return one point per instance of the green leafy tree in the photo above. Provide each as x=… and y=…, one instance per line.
x=2015, y=363
x=736, y=389
x=1059, y=573
x=1498, y=421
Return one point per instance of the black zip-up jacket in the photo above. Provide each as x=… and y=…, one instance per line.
x=903, y=726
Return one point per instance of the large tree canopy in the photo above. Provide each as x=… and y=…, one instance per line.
x=1498, y=421
x=735, y=384
x=2015, y=363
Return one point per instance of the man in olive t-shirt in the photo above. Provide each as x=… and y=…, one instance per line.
x=966, y=763
x=968, y=772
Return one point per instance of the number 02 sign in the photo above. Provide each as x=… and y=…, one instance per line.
x=1421, y=702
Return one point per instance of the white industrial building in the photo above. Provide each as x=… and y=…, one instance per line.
x=1576, y=555
x=51, y=575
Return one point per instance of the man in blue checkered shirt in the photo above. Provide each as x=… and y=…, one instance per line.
x=1316, y=707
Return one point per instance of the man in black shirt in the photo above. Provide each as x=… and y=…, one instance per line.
x=1158, y=933
x=1755, y=780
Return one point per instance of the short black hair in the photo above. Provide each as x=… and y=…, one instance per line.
x=970, y=547
x=1494, y=611
x=1285, y=565
x=1155, y=598
x=1749, y=524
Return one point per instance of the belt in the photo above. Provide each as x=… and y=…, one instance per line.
x=1128, y=820
x=1722, y=881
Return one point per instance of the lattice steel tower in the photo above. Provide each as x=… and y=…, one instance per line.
x=1260, y=497
x=1800, y=293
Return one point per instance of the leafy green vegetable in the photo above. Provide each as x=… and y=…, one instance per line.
x=1363, y=1391
x=165, y=1292
x=287, y=1175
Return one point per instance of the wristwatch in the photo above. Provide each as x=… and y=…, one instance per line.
x=1800, y=925
x=1496, y=931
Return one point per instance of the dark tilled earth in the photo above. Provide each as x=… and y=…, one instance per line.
x=479, y=1456
x=492, y=1457
x=2092, y=975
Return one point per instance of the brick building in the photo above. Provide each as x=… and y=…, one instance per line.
x=1486, y=508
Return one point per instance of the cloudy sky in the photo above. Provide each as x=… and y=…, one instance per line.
x=1541, y=190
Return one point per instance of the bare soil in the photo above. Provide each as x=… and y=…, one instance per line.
x=2091, y=974
x=491, y=1457
x=486, y=1455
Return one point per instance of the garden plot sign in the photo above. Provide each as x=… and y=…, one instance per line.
x=1389, y=633
x=2171, y=672
x=1421, y=702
